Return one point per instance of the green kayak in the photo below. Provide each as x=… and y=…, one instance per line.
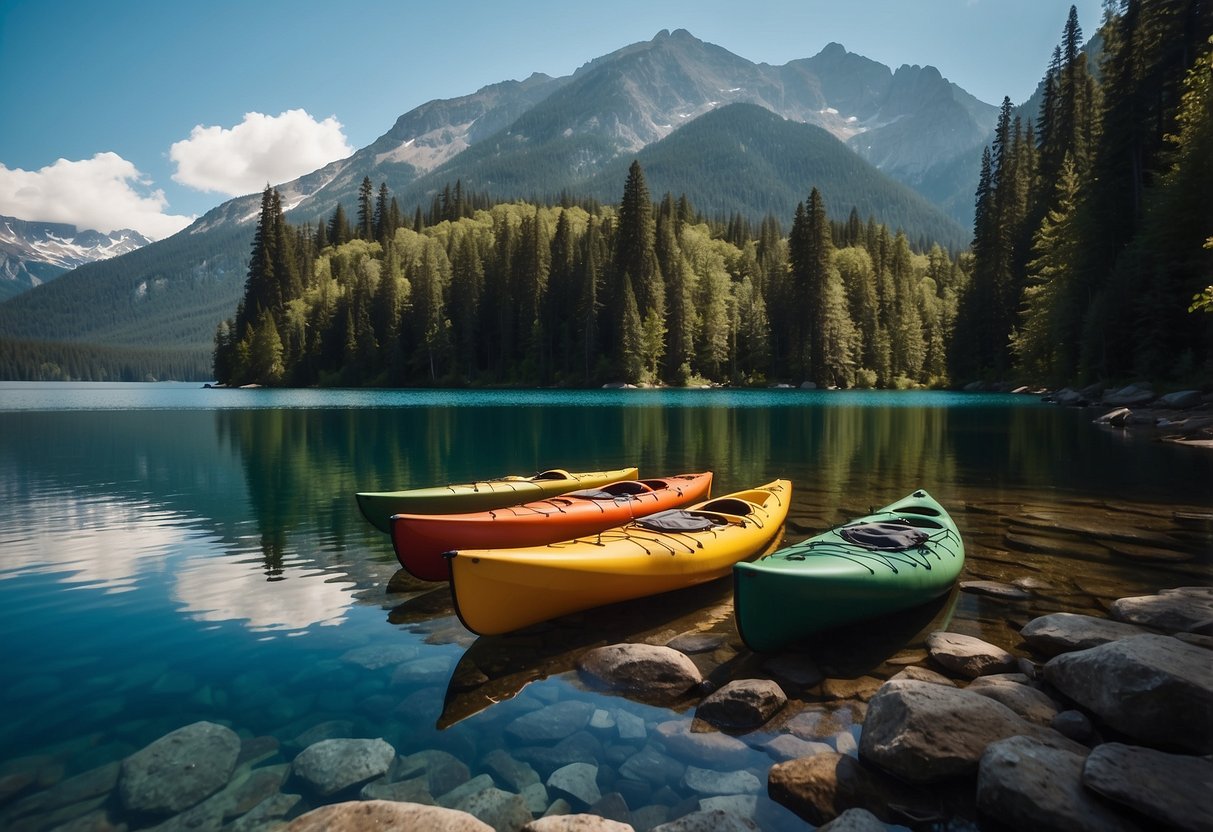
x=901, y=556
x=379, y=506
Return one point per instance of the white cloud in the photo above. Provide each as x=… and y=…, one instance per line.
x=261, y=149
x=104, y=193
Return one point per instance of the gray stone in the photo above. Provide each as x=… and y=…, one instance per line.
x=1154, y=688
x=1030, y=703
x=375, y=656
x=262, y=816
x=361, y=815
x=710, y=748
x=715, y=820
x=647, y=817
x=1027, y=785
x=710, y=782
x=416, y=790
x=536, y=798
x=1065, y=632
x=821, y=723
x=923, y=674
x=431, y=669
x=854, y=820
x=333, y=729
x=743, y=805
x=179, y=770
x=925, y=733
x=821, y=787
x=601, y=720
x=577, y=823
x=742, y=703
x=968, y=656
x=1173, y=789
x=845, y=743
x=648, y=765
x=1181, y=400
x=644, y=671
x=995, y=589
x=631, y=727
x=790, y=747
x=1116, y=418
x=507, y=771
x=502, y=810
x=794, y=670
x=94, y=783
x=550, y=724
x=612, y=806
x=577, y=782
x=443, y=771
x=332, y=765
x=464, y=790
x=1132, y=394
x=1187, y=609
x=582, y=747
x=1073, y=724
x=692, y=643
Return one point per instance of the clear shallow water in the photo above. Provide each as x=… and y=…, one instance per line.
x=171, y=553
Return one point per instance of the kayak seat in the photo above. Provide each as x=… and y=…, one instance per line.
x=923, y=510
x=553, y=474
x=679, y=520
x=590, y=494
x=728, y=505
x=884, y=535
x=627, y=488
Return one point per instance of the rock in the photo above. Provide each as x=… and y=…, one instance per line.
x=261, y=816
x=631, y=727
x=1073, y=724
x=442, y=770
x=1187, y=609
x=855, y=820
x=711, y=782
x=743, y=805
x=646, y=671
x=844, y=743
x=375, y=656
x=1172, y=789
x=743, y=703
x=1030, y=703
x=601, y=720
x=821, y=723
x=1181, y=400
x=1132, y=394
x=612, y=806
x=502, y=810
x=179, y=770
x=692, y=643
x=1195, y=639
x=710, y=748
x=577, y=782
x=582, y=747
x=576, y=823
x=94, y=783
x=995, y=589
x=923, y=674
x=1064, y=632
x=790, y=747
x=416, y=790
x=474, y=786
x=794, y=670
x=924, y=733
x=822, y=787
x=550, y=724
x=509, y=772
x=647, y=817
x=1027, y=785
x=332, y=765
x=863, y=688
x=333, y=729
x=1116, y=418
x=1154, y=688
x=716, y=820
x=968, y=656
x=648, y=765
x=361, y=815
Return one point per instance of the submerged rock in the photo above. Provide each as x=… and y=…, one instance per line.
x=1028, y=785
x=550, y=724
x=713, y=820
x=1172, y=789
x=332, y=765
x=968, y=656
x=822, y=787
x=743, y=703
x=646, y=671
x=854, y=820
x=500, y=809
x=361, y=815
x=708, y=781
x=1154, y=688
x=1064, y=632
x=179, y=770
x=577, y=782
x=710, y=748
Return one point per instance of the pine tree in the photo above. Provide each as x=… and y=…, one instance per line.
x=366, y=211
x=635, y=254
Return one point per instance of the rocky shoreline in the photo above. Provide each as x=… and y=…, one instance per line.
x=1101, y=723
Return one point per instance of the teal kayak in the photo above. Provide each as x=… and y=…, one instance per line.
x=903, y=555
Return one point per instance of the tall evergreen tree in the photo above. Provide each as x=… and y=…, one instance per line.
x=366, y=211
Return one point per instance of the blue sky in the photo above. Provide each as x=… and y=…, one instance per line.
x=146, y=113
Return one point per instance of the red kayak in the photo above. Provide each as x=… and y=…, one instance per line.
x=420, y=539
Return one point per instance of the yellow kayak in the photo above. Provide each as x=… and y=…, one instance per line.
x=379, y=506
x=500, y=590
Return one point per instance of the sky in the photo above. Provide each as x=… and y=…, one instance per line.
x=145, y=114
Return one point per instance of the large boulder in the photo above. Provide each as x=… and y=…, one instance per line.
x=330, y=766
x=361, y=815
x=1129, y=395
x=1027, y=785
x=1154, y=688
x=1181, y=400
x=824, y=786
x=924, y=733
x=1065, y=632
x=644, y=671
x=743, y=703
x=968, y=656
x=1186, y=609
x=179, y=770
x=1172, y=789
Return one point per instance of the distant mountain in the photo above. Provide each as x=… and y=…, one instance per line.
x=32, y=253
x=543, y=136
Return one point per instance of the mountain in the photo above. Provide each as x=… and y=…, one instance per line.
x=543, y=136
x=32, y=253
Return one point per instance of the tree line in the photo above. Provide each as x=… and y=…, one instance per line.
x=1093, y=237
x=580, y=294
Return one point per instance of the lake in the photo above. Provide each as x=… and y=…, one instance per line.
x=171, y=554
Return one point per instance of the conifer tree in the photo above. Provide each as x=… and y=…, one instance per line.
x=366, y=211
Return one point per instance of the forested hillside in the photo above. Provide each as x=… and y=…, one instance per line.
x=1093, y=222
x=582, y=294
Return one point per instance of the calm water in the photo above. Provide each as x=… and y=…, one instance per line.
x=170, y=553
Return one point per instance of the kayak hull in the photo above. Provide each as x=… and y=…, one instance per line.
x=421, y=539
x=828, y=581
x=379, y=506
x=498, y=591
